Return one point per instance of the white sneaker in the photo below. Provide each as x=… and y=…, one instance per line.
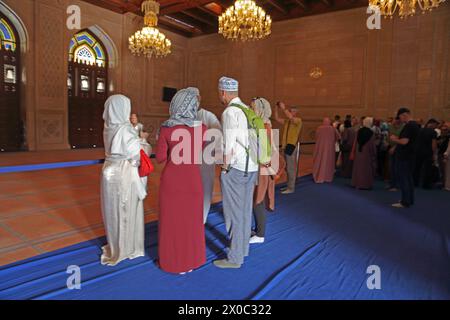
x=287, y=191
x=398, y=205
x=256, y=239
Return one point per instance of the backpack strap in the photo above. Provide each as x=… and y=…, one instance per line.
x=246, y=148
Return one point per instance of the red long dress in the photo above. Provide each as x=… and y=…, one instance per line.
x=181, y=230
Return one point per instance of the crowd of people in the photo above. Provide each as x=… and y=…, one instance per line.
x=397, y=150
x=404, y=152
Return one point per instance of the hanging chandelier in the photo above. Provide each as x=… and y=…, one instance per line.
x=149, y=41
x=405, y=8
x=245, y=21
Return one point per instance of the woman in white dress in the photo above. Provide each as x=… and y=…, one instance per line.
x=122, y=190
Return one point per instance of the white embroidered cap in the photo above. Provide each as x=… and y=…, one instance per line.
x=228, y=84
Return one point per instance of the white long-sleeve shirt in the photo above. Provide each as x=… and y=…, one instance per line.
x=209, y=119
x=235, y=133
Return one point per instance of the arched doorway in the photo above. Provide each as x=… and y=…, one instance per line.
x=11, y=124
x=87, y=90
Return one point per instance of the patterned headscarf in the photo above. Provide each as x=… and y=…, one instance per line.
x=194, y=90
x=263, y=109
x=183, y=109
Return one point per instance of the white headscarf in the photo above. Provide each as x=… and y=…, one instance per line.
x=183, y=109
x=120, y=138
x=263, y=109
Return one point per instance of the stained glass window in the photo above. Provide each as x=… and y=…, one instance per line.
x=85, y=49
x=7, y=37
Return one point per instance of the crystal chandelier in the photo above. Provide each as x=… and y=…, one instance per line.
x=245, y=21
x=149, y=41
x=405, y=8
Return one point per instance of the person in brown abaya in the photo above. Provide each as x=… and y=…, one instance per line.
x=324, y=158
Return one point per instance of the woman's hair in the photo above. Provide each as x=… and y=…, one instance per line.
x=368, y=122
x=347, y=123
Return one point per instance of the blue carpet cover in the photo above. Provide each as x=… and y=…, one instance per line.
x=319, y=244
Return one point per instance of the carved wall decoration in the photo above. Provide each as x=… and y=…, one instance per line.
x=51, y=128
x=316, y=73
x=51, y=57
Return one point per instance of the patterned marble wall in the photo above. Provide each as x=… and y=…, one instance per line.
x=363, y=72
x=51, y=93
x=45, y=68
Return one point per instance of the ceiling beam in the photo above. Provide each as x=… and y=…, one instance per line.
x=169, y=27
x=184, y=6
x=172, y=21
x=279, y=6
x=201, y=18
x=303, y=4
x=190, y=21
x=166, y=3
x=202, y=8
x=126, y=6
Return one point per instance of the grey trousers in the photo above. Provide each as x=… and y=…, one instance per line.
x=237, y=199
x=291, y=169
x=208, y=172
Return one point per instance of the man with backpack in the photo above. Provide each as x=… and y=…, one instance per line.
x=239, y=174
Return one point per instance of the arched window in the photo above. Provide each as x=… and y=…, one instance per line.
x=85, y=49
x=87, y=84
x=7, y=35
x=11, y=124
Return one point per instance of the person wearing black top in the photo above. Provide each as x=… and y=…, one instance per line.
x=405, y=155
x=426, y=155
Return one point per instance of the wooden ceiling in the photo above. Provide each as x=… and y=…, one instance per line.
x=198, y=17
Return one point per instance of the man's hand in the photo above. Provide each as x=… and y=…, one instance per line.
x=393, y=138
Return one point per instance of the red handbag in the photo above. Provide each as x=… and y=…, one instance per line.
x=146, y=166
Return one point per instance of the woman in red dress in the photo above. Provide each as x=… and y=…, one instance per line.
x=181, y=229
